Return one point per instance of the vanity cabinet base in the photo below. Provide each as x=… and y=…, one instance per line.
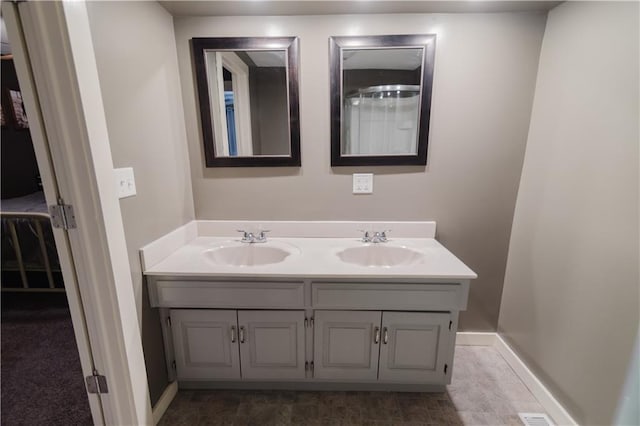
x=382, y=340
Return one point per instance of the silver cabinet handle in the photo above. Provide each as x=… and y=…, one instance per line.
x=241, y=334
x=385, y=335
x=233, y=334
x=376, y=335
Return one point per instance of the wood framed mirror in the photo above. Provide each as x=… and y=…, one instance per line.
x=249, y=100
x=380, y=99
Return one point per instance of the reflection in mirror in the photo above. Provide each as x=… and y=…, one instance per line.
x=381, y=95
x=381, y=92
x=248, y=90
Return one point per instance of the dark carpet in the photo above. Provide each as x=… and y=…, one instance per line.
x=42, y=381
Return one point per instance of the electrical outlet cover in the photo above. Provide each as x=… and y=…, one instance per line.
x=363, y=183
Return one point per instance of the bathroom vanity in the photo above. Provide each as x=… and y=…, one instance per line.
x=301, y=311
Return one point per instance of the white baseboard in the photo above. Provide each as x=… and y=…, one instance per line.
x=551, y=405
x=164, y=401
x=467, y=338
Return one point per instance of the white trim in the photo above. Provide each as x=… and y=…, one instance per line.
x=551, y=405
x=105, y=231
x=241, y=98
x=469, y=338
x=165, y=400
x=216, y=98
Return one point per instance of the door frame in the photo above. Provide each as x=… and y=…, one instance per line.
x=56, y=67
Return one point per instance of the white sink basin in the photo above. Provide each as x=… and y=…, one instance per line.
x=246, y=254
x=380, y=255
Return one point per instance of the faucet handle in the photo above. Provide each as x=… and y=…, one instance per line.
x=383, y=234
x=365, y=236
x=247, y=237
x=261, y=237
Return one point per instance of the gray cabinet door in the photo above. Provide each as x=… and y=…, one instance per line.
x=272, y=344
x=205, y=344
x=346, y=345
x=414, y=346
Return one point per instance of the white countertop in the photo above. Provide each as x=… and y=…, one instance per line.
x=311, y=258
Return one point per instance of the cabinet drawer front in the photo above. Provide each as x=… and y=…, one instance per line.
x=436, y=297
x=219, y=294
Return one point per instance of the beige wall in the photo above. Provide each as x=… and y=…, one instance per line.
x=570, y=303
x=136, y=57
x=485, y=71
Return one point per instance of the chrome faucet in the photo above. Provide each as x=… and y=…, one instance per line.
x=250, y=237
x=378, y=236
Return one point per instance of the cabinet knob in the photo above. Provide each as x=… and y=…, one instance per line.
x=385, y=335
x=241, y=334
x=376, y=335
x=233, y=334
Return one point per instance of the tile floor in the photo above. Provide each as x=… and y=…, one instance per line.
x=484, y=391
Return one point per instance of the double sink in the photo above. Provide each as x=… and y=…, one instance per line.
x=304, y=250
x=383, y=255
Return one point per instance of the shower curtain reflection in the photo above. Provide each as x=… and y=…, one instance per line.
x=382, y=120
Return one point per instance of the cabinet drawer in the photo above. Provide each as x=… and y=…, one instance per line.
x=225, y=294
x=434, y=297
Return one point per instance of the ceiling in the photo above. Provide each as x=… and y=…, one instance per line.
x=268, y=58
x=391, y=59
x=334, y=7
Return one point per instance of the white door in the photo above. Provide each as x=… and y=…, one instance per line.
x=272, y=344
x=414, y=346
x=206, y=344
x=346, y=345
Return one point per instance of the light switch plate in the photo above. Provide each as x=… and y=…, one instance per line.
x=363, y=183
x=125, y=182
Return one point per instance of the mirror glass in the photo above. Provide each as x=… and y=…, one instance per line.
x=381, y=90
x=381, y=96
x=248, y=111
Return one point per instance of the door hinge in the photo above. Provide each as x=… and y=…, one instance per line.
x=62, y=215
x=445, y=368
x=450, y=324
x=96, y=383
